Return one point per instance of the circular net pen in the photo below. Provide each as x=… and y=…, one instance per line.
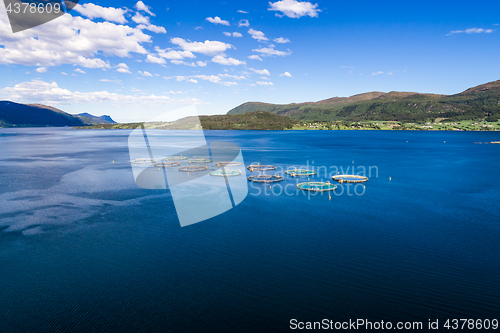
x=143, y=161
x=265, y=178
x=193, y=168
x=227, y=164
x=317, y=186
x=166, y=164
x=258, y=167
x=176, y=158
x=350, y=179
x=225, y=173
x=300, y=172
x=200, y=160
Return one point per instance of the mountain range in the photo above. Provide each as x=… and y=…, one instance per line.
x=478, y=103
x=33, y=115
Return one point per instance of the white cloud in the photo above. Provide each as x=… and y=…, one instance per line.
x=234, y=34
x=259, y=35
x=145, y=73
x=140, y=19
x=122, y=68
x=111, y=81
x=78, y=70
x=69, y=40
x=260, y=71
x=217, y=20
x=174, y=54
x=208, y=47
x=141, y=6
x=192, y=64
x=242, y=12
x=153, y=28
x=37, y=91
x=281, y=40
x=286, y=74
x=377, y=73
x=63, y=73
x=243, y=23
x=269, y=51
x=227, y=61
x=155, y=60
x=471, y=31
x=294, y=8
x=42, y=70
x=211, y=78
x=107, y=13
x=198, y=28
x=265, y=83
x=193, y=80
x=255, y=57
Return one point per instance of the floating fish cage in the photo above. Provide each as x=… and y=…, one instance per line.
x=200, y=160
x=166, y=164
x=300, y=172
x=176, y=158
x=143, y=161
x=317, y=186
x=265, y=178
x=227, y=164
x=193, y=168
x=258, y=167
x=350, y=179
x=225, y=173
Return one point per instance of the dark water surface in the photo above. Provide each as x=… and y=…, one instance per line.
x=82, y=248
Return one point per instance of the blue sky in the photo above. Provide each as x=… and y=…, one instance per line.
x=136, y=60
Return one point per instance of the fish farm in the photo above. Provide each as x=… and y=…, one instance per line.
x=143, y=161
x=258, y=167
x=166, y=164
x=176, y=158
x=300, y=172
x=200, y=160
x=265, y=178
x=317, y=186
x=193, y=168
x=227, y=164
x=225, y=173
x=350, y=179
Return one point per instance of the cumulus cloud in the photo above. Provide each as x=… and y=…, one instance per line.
x=192, y=64
x=41, y=69
x=281, y=40
x=140, y=19
x=37, y=91
x=243, y=23
x=269, y=51
x=122, y=68
x=294, y=8
x=174, y=54
x=145, y=73
x=255, y=57
x=227, y=61
x=153, y=28
x=260, y=71
x=208, y=47
x=286, y=74
x=377, y=73
x=211, y=78
x=265, y=83
x=78, y=70
x=471, y=31
x=69, y=40
x=217, y=20
x=258, y=35
x=155, y=60
x=107, y=13
x=141, y=6
x=234, y=34
x=242, y=12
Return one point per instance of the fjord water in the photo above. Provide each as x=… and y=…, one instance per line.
x=82, y=248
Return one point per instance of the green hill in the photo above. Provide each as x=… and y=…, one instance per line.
x=477, y=103
x=34, y=115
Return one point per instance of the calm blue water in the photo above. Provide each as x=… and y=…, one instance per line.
x=82, y=248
